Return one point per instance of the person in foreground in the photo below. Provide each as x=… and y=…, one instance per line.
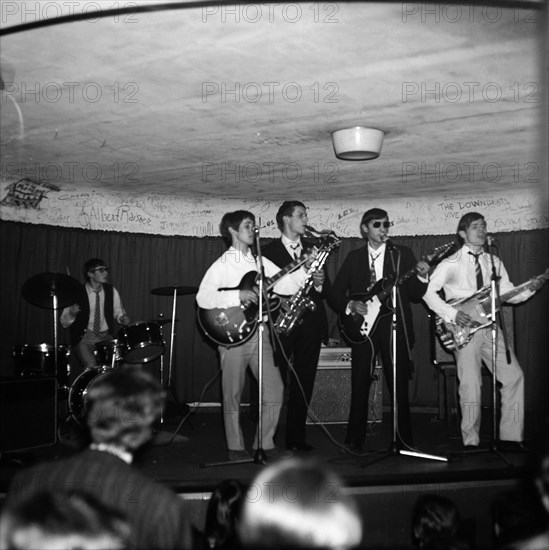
x=460, y=275
x=299, y=504
x=63, y=521
x=121, y=408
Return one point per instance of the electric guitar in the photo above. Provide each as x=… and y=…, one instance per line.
x=356, y=327
x=478, y=306
x=235, y=325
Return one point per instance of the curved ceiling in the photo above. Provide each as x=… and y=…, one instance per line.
x=240, y=101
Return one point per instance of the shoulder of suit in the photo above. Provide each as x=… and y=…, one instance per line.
x=361, y=252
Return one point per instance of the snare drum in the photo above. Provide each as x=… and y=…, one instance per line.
x=141, y=342
x=107, y=353
x=79, y=391
x=39, y=360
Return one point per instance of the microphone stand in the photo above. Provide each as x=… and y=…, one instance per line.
x=259, y=457
x=396, y=446
x=495, y=299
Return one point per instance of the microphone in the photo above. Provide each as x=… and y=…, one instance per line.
x=255, y=229
x=390, y=245
x=490, y=240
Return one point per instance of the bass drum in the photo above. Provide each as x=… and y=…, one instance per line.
x=79, y=391
x=39, y=360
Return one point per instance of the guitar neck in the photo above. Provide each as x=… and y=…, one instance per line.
x=512, y=293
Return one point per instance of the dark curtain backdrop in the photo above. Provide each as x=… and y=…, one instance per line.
x=140, y=263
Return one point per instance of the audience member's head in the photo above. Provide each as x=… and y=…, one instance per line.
x=299, y=504
x=122, y=406
x=518, y=517
x=223, y=513
x=434, y=516
x=63, y=521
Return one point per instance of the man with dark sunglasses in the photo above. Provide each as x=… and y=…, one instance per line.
x=355, y=296
x=90, y=319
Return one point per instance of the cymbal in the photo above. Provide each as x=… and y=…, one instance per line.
x=40, y=289
x=180, y=290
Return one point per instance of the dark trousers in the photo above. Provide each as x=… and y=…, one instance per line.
x=304, y=344
x=363, y=360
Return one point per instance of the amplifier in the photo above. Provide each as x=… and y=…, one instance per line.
x=332, y=390
x=28, y=413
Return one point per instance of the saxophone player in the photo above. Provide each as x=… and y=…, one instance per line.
x=304, y=341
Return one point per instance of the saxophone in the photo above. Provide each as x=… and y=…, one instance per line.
x=300, y=303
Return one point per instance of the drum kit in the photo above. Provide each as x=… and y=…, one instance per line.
x=137, y=343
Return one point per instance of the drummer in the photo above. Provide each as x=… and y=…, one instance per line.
x=91, y=321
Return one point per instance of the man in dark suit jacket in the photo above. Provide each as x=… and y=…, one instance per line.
x=304, y=341
x=360, y=269
x=121, y=407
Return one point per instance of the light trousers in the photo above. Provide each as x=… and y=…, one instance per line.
x=234, y=362
x=469, y=362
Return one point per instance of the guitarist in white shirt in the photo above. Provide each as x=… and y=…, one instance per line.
x=355, y=278
x=457, y=276
x=237, y=230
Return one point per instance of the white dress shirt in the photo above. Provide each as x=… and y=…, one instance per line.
x=227, y=272
x=457, y=276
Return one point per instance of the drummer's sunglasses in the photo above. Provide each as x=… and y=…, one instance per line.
x=101, y=269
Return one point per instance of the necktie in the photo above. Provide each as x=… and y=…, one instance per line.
x=97, y=315
x=373, y=276
x=294, y=247
x=478, y=271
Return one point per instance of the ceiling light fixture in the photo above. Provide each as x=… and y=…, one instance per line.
x=357, y=143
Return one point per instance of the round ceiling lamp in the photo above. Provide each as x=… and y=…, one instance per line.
x=357, y=143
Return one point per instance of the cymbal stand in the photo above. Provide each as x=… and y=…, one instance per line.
x=55, y=358
x=162, y=372
x=396, y=447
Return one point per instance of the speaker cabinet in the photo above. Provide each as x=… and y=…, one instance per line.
x=28, y=413
x=332, y=390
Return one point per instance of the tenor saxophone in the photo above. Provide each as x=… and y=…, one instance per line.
x=296, y=307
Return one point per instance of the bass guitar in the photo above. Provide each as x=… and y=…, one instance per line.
x=478, y=306
x=233, y=326
x=356, y=327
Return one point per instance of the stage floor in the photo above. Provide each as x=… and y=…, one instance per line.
x=187, y=459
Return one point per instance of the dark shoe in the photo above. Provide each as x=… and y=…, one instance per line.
x=513, y=446
x=299, y=447
x=235, y=456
